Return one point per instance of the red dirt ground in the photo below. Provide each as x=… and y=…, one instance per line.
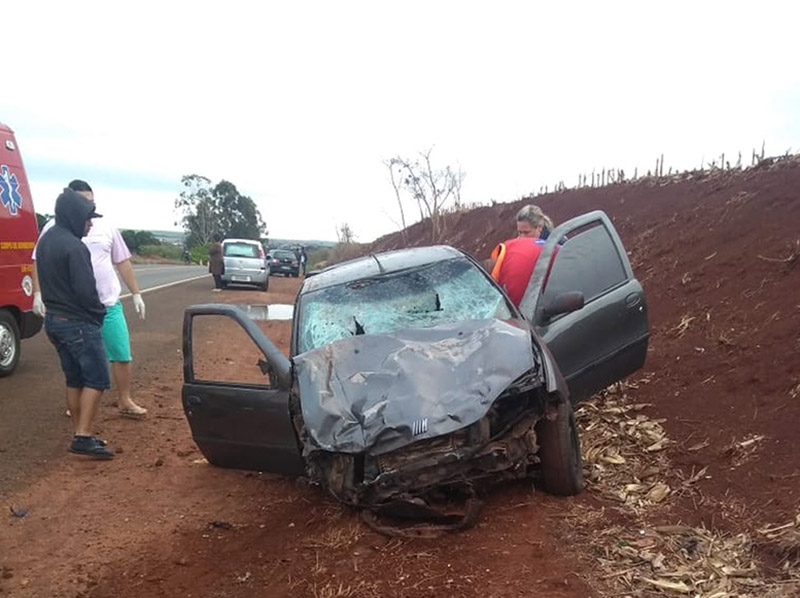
x=718, y=253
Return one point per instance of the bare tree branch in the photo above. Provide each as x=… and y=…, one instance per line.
x=431, y=188
x=396, y=184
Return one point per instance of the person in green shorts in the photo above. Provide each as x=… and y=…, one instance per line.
x=109, y=253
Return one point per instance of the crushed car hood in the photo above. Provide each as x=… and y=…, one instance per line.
x=377, y=393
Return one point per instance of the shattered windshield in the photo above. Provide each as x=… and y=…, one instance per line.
x=443, y=292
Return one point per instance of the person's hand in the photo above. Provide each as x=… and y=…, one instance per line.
x=138, y=304
x=38, y=304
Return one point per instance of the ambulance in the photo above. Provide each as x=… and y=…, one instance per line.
x=18, y=233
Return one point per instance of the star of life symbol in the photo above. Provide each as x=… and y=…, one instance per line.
x=9, y=190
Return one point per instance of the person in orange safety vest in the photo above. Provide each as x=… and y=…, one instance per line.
x=512, y=262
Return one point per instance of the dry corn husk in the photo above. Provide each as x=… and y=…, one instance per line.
x=625, y=462
x=622, y=450
x=785, y=539
x=678, y=560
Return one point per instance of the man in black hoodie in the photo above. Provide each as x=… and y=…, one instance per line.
x=74, y=316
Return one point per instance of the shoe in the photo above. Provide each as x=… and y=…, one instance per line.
x=90, y=447
x=135, y=412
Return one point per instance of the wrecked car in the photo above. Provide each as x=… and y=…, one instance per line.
x=412, y=378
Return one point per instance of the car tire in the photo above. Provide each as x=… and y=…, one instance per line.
x=264, y=286
x=560, y=452
x=9, y=343
x=295, y=274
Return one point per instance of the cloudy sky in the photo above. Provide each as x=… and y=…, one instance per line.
x=299, y=103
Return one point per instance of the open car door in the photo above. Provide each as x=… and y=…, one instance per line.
x=240, y=418
x=587, y=306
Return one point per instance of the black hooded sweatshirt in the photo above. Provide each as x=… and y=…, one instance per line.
x=64, y=264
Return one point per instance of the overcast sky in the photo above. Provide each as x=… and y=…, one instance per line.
x=299, y=103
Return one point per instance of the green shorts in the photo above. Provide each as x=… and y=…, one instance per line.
x=115, y=334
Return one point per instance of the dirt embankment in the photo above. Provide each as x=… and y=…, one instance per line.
x=719, y=257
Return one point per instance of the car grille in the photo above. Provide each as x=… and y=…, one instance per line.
x=432, y=449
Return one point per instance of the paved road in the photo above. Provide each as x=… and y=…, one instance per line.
x=156, y=275
x=33, y=429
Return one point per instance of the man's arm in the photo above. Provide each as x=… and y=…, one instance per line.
x=121, y=256
x=125, y=270
x=38, y=304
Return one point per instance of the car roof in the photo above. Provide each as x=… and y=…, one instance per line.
x=379, y=263
x=252, y=241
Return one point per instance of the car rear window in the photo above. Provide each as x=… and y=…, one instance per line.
x=284, y=254
x=444, y=292
x=240, y=250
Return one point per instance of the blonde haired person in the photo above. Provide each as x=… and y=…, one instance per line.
x=532, y=222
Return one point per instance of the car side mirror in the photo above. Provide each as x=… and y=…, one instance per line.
x=562, y=303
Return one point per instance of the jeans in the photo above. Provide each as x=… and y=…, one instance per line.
x=80, y=348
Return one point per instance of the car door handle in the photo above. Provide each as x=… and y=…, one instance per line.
x=633, y=300
x=193, y=401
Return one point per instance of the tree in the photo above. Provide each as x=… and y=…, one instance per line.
x=195, y=204
x=41, y=220
x=345, y=234
x=206, y=210
x=395, y=176
x=136, y=239
x=238, y=215
x=431, y=188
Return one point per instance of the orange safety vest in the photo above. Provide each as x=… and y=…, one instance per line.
x=515, y=260
x=498, y=254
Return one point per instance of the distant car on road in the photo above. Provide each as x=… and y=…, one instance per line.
x=283, y=261
x=245, y=263
x=413, y=379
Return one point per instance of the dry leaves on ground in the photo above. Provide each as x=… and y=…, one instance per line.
x=784, y=541
x=679, y=560
x=742, y=451
x=622, y=451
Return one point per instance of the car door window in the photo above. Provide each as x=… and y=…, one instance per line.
x=588, y=261
x=223, y=353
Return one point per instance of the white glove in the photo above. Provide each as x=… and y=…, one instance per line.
x=138, y=305
x=38, y=304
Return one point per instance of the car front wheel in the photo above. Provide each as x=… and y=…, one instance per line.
x=9, y=343
x=560, y=452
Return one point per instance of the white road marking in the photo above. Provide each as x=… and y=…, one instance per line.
x=164, y=286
